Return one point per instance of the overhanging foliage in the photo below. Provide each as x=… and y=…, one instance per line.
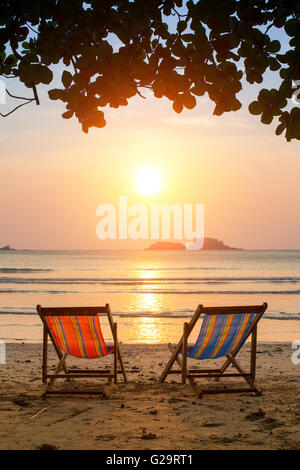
x=215, y=44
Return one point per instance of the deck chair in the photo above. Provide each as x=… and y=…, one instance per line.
x=76, y=331
x=223, y=333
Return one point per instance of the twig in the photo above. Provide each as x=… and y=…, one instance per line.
x=140, y=94
x=38, y=413
x=17, y=107
x=18, y=97
x=35, y=94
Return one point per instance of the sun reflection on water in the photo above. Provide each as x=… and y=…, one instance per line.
x=147, y=302
x=149, y=330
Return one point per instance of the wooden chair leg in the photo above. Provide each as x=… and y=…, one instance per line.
x=224, y=367
x=192, y=383
x=122, y=362
x=184, y=353
x=178, y=348
x=226, y=364
x=249, y=381
x=116, y=353
x=173, y=358
x=59, y=367
x=253, y=352
x=45, y=355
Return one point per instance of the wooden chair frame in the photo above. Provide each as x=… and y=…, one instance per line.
x=62, y=356
x=191, y=374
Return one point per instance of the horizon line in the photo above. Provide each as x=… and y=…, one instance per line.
x=146, y=249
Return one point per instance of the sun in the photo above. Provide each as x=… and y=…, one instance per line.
x=148, y=180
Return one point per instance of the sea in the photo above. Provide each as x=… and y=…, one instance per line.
x=151, y=293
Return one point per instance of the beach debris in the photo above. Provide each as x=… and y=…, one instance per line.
x=271, y=423
x=207, y=424
x=148, y=435
x=260, y=414
x=105, y=437
x=21, y=402
x=38, y=413
x=46, y=447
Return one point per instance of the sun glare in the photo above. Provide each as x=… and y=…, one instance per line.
x=148, y=181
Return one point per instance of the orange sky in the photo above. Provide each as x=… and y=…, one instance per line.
x=53, y=177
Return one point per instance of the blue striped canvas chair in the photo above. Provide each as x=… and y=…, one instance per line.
x=223, y=333
x=76, y=331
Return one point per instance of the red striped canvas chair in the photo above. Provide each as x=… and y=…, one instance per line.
x=76, y=331
x=223, y=333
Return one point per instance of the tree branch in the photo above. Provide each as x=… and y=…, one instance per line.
x=17, y=107
x=27, y=101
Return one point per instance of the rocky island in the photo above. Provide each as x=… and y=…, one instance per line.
x=209, y=244
x=166, y=246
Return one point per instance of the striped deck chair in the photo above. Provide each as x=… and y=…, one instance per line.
x=76, y=331
x=223, y=332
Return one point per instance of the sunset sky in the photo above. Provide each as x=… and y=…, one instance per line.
x=53, y=176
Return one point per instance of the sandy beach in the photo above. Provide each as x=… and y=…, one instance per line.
x=144, y=414
x=150, y=192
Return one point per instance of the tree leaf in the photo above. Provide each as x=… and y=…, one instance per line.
x=274, y=46
x=66, y=79
x=181, y=26
x=55, y=94
x=67, y=114
x=177, y=106
x=266, y=117
x=255, y=108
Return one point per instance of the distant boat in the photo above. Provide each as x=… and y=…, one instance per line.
x=7, y=248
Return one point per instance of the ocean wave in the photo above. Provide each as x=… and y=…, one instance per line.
x=24, y=270
x=37, y=291
x=187, y=268
x=213, y=292
x=154, y=291
x=171, y=315
x=149, y=280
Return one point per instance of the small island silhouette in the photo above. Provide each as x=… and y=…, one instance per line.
x=7, y=248
x=209, y=244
